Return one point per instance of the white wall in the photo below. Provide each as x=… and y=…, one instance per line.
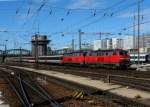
x=128, y=42
x=97, y=44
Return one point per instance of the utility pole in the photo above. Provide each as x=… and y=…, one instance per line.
x=72, y=44
x=80, y=39
x=20, y=55
x=5, y=55
x=143, y=41
x=134, y=38
x=100, y=38
x=6, y=47
x=36, y=50
x=139, y=31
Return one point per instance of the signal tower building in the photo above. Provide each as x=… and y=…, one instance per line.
x=39, y=45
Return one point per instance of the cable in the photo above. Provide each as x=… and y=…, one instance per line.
x=137, y=25
x=86, y=19
x=103, y=16
x=133, y=4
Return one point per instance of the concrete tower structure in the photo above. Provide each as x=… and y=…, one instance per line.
x=41, y=42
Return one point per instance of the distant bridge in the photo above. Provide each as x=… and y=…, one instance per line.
x=15, y=52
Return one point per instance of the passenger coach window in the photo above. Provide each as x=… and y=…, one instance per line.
x=100, y=54
x=89, y=54
x=109, y=54
x=114, y=53
x=95, y=54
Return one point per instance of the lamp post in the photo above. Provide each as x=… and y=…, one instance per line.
x=134, y=38
x=139, y=31
x=5, y=54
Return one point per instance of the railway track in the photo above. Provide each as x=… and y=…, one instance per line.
x=123, y=102
x=55, y=91
x=129, y=78
x=101, y=71
x=28, y=93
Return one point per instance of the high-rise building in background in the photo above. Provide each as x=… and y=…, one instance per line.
x=126, y=42
x=97, y=44
x=147, y=41
x=114, y=43
x=106, y=43
x=120, y=44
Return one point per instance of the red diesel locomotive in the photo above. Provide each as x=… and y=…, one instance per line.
x=105, y=58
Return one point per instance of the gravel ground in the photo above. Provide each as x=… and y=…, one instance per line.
x=65, y=96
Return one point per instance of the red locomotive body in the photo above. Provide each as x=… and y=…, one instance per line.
x=74, y=57
x=109, y=58
x=114, y=58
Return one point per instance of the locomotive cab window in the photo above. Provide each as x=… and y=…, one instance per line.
x=123, y=53
x=95, y=54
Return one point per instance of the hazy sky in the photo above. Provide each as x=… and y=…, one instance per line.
x=23, y=18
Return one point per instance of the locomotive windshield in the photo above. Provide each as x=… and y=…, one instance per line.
x=123, y=52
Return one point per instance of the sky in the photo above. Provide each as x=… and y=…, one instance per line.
x=20, y=19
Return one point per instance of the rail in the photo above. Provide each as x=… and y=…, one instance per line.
x=108, y=78
x=23, y=94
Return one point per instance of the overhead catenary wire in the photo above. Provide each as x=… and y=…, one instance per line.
x=76, y=24
x=43, y=4
x=145, y=22
x=88, y=18
x=98, y=19
x=104, y=14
